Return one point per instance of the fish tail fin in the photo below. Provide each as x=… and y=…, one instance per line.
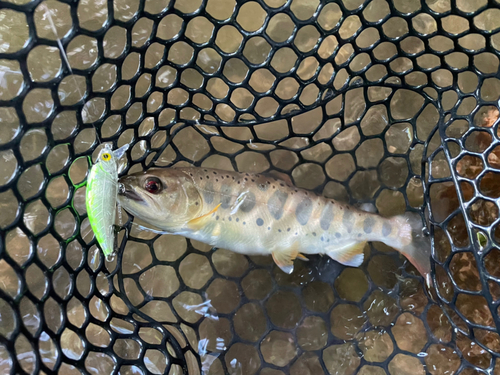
x=415, y=245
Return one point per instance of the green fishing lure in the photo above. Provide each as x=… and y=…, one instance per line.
x=101, y=197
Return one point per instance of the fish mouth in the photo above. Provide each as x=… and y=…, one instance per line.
x=132, y=195
x=126, y=190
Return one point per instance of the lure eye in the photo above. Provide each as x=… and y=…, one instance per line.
x=106, y=156
x=153, y=185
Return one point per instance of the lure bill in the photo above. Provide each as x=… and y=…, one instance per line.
x=254, y=214
x=101, y=197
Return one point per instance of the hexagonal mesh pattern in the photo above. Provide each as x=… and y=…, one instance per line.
x=389, y=102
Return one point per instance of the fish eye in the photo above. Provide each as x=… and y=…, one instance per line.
x=153, y=185
x=106, y=156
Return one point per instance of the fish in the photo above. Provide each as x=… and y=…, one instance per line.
x=255, y=214
x=101, y=197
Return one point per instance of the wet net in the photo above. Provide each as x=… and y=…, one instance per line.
x=393, y=103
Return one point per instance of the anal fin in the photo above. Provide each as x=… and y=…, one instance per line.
x=197, y=223
x=350, y=254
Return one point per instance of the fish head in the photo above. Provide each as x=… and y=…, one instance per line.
x=164, y=197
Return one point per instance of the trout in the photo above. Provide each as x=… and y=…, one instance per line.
x=254, y=214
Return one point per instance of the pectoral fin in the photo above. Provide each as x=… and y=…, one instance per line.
x=284, y=259
x=350, y=254
x=199, y=222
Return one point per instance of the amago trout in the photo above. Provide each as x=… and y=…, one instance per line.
x=254, y=214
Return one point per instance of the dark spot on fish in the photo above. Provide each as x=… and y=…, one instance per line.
x=282, y=185
x=253, y=180
x=238, y=182
x=246, y=174
x=216, y=180
x=303, y=211
x=359, y=234
x=214, y=172
x=368, y=224
x=222, y=177
x=208, y=193
x=237, y=219
x=288, y=230
x=326, y=217
x=262, y=187
x=227, y=176
x=205, y=171
x=276, y=203
x=217, y=218
x=246, y=179
x=229, y=218
x=201, y=178
x=279, y=230
x=226, y=196
x=233, y=178
x=338, y=235
x=296, y=233
x=268, y=182
x=274, y=187
x=386, y=229
x=244, y=223
x=268, y=228
x=208, y=177
x=322, y=239
x=197, y=203
x=248, y=202
x=348, y=221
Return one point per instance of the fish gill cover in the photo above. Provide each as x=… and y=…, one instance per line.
x=390, y=102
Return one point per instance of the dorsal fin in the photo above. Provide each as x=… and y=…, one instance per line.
x=279, y=175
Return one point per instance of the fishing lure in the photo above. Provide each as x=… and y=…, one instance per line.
x=101, y=197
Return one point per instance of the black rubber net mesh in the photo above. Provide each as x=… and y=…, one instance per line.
x=388, y=102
